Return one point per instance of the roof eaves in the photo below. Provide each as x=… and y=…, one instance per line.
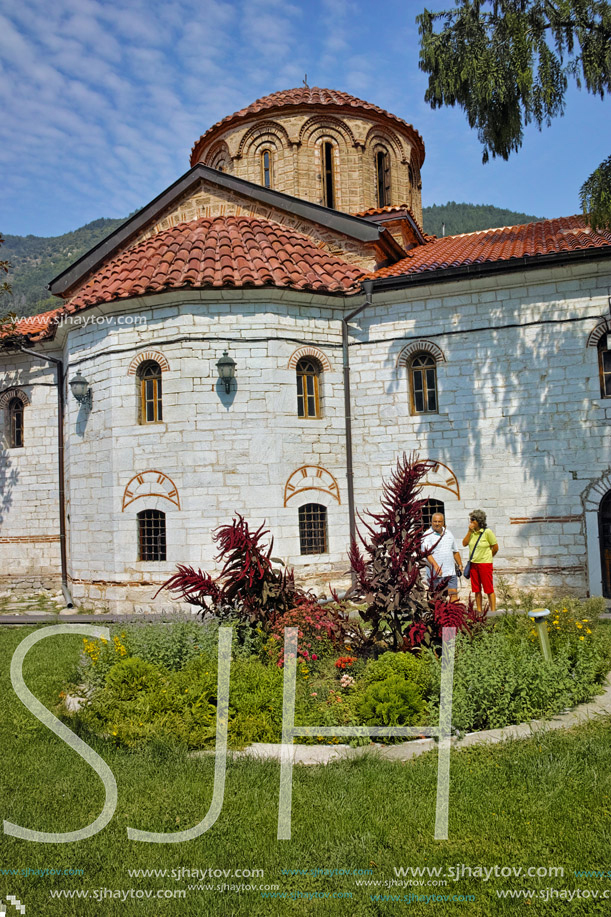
x=355, y=227
x=527, y=262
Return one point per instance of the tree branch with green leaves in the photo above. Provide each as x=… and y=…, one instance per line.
x=508, y=63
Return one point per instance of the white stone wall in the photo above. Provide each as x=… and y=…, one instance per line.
x=521, y=425
x=29, y=514
x=521, y=422
x=223, y=453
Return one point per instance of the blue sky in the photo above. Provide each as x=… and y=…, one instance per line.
x=102, y=101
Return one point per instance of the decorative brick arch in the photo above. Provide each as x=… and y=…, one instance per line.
x=219, y=155
x=144, y=357
x=309, y=352
x=595, y=492
x=603, y=327
x=311, y=477
x=264, y=131
x=7, y=397
x=377, y=135
x=149, y=484
x=420, y=347
x=332, y=125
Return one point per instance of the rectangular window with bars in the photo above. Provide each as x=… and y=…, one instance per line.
x=151, y=535
x=313, y=529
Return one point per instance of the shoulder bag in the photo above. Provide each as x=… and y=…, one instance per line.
x=467, y=567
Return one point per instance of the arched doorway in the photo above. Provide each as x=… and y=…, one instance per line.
x=604, y=535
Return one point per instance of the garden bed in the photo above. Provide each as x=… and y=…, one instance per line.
x=158, y=682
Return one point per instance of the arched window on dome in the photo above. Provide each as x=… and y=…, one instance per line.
x=267, y=175
x=149, y=379
x=308, y=371
x=604, y=366
x=383, y=178
x=422, y=370
x=327, y=174
x=15, y=416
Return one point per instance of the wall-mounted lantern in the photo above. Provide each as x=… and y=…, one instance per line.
x=81, y=389
x=226, y=369
x=539, y=615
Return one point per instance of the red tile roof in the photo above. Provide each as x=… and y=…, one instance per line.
x=36, y=327
x=216, y=252
x=565, y=234
x=303, y=95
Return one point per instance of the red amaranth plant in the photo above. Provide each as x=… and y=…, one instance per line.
x=248, y=585
x=391, y=568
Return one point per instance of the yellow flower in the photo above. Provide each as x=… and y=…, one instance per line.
x=564, y=610
x=582, y=638
x=579, y=625
x=588, y=631
x=585, y=620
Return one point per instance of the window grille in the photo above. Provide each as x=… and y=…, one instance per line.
x=313, y=529
x=151, y=532
x=428, y=511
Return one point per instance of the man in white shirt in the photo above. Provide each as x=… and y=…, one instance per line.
x=444, y=554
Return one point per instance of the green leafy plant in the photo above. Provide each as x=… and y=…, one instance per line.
x=391, y=702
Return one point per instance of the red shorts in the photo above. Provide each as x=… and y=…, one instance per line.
x=481, y=576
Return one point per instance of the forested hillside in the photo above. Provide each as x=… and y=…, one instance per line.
x=36, y=260
x=470, y=218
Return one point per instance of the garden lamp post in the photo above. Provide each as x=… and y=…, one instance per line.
x=539, y=615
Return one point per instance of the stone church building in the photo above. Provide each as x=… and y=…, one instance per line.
x=270, y=333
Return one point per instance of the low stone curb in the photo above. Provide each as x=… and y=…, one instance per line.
x=324, y=754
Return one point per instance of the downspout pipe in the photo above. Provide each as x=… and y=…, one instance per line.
x=61, y=467
x=367, y=287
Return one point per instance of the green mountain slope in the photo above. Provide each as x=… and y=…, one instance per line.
x=36, y=260
x=470, y=218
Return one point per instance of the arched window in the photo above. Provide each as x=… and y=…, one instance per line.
x=313, y=529
x=15, y=415
x=151, y=535
x=429, y=509
x=308, y=387
x=266, y=169
x=383, y=178
x=604, y=367
x=328, y=175
x=423, y=384
x=149, y=376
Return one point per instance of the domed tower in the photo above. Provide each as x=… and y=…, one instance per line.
x=320, y=145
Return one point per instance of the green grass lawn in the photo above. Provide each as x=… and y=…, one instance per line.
x=541, y=802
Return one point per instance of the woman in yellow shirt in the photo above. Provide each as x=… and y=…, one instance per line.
x=481, y=561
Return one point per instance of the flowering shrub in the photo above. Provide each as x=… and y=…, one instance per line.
x=320, y=630
x=345, y=661
x=347, y=681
